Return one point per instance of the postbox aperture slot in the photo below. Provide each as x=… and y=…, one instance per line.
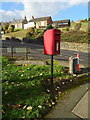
x=57, y=46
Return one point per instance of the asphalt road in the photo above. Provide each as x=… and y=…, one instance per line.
x=37, y=51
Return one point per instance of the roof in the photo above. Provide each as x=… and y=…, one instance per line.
x=40, y=19
x=62, y=21
x=18, y=21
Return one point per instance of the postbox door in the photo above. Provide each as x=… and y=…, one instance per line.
x=57, y=46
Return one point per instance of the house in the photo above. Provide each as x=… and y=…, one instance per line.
x=28, y=25
x=19, y=23
x=61, y=23
x=79, y=21
x=41, y=22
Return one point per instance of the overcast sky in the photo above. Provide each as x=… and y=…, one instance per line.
x=58, y=10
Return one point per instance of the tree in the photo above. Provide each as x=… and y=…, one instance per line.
x=49, y=27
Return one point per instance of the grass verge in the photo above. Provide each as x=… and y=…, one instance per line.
x=26, y=89
x=26, y=92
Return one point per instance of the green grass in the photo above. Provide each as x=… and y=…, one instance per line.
x=21, y=33
x=26, y=86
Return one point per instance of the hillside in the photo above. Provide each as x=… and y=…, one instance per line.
x=21, y=33
x=84, y=25
x=72, y=35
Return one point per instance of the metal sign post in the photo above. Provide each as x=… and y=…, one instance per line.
x=52, y=70
x=52, y=85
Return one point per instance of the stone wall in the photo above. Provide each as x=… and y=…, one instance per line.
x=83, y=47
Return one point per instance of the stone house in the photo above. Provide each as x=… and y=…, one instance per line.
x=19, y=23
x=61, y=23
x=41, y=22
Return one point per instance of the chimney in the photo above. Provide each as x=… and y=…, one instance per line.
x=25, y=17
x=32, y=17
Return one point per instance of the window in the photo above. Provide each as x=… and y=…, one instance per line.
x=42, y=23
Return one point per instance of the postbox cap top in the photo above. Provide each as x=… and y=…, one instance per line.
x=53, y=30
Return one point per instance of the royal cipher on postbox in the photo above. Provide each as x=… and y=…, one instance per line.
x=52, y=42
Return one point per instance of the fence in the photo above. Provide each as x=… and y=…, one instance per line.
x=16, y=51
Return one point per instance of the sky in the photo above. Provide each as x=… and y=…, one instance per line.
x=58, y=10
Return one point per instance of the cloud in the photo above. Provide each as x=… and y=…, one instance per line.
x=77, y=2
x=37, y=8
x=9, y=15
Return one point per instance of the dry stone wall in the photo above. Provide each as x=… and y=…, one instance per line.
x=83, y=47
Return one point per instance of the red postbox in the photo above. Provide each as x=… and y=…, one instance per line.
x=52, y=42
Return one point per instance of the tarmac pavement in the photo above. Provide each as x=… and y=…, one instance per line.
x=81, y=109
x=72, y=104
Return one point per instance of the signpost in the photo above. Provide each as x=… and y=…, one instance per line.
x=52, y=44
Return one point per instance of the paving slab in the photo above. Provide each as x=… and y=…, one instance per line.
x=81, y=109
x=63, y=109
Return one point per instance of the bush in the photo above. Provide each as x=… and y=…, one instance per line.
x=7, y=31
x=31, y=32
x=78, y=26
x=49, y=27
x=5, y=27
x=67, y=28
x=34, y=32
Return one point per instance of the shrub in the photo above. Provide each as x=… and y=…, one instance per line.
x=78, y=26
x=67, y=28
x=7, y=38
x=31, y=32
x=7, y=31
x=34, y=32
x=40, y=36
x=31, y=29
x=49, y=27
x=5, y=27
